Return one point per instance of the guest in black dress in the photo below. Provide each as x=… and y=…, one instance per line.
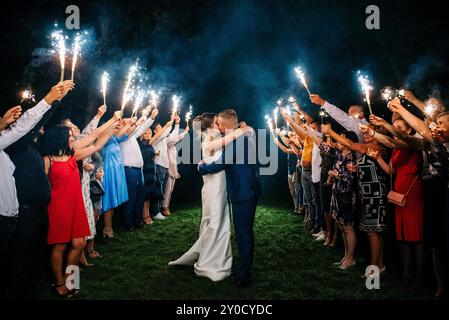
x=153, y=188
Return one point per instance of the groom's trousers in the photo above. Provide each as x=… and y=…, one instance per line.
x=243, y=215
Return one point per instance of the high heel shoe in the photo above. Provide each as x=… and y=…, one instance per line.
x=108, y=233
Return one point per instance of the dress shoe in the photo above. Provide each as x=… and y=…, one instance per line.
x=166, y=212
x=159, y=216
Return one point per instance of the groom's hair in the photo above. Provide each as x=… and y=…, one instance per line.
x=229, y=115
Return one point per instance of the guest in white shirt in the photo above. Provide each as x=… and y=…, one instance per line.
x=351, y=121
x=162, y=162
x=10, y=132
x=173, y=173
x=133, y=163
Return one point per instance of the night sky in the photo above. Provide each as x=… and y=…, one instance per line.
x=239, y=54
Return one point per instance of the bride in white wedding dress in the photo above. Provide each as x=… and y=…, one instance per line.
x=211, y=255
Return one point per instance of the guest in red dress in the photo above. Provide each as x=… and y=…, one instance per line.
x=66, y=212
x=406, y=166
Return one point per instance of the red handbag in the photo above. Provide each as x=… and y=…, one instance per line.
x=397, y=198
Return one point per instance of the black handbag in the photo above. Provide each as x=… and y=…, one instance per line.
x=96, y=190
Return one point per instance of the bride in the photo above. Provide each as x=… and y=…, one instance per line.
x=211, y=255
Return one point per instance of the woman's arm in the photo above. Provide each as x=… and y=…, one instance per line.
x=413, y=142
x=218, y=144
x=417, y=124
x=306, y=116
x=85, y=141
x=315, y=137
x=356, y=147
x=83, y=153
x=376, y=155
x=408, y=95
x=386, y=141
x=164, y=132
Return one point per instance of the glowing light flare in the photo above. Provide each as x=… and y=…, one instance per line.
x=176, y=99
x=104, y=85
x=27, y=95
x=189, y=114
x=301, y=76
x=58, y=39
x=128, y=92
x=366, y=88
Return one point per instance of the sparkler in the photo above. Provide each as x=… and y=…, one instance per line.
x=300, y=74
x=388, y=94
x=27, y=95
x=366, y=88
x=175, y=108
x=189, y=114
x=138, y=101
x=269, y=122
x=76, y=51
x=401, y=93
x=322, y=114
x=154, y=99
x=275, y=116
x=430, y=109
x=59, y=41
x=104, y=85
x=128, y=92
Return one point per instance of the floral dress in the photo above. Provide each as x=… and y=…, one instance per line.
x=343, y=202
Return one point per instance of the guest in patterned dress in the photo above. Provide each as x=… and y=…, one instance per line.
x=373, y=190
x=343, y=202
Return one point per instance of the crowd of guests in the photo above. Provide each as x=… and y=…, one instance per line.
x=374, y=177
x=57, y=182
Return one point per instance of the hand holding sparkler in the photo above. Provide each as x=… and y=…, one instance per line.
x=10, y=117
x=118, y=115
x=55, y=94
x=101, y=111
x=154, y=113
x=376, y=121
x=316, y=99
x=395, y=106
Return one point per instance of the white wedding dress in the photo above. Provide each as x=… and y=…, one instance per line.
x=211, y=255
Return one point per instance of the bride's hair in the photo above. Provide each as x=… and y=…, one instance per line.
x=204, y=122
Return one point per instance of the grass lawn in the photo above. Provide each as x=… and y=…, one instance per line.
x=288, y=264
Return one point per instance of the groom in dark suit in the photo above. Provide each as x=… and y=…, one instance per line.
x=239, y=160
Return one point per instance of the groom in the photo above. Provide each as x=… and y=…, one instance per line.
x=242, y=179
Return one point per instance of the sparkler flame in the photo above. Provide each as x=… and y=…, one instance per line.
x=388, y=94
x=104, y=85
x=76, y=52
x=154, y=99
x=59, y=42
x=27, y=95
x=128, y=92
x=275, y=115
x=430, y=109
x=189, y=114
x=366, y=88
x=176, y=99
x=269, y=122
x=138, y=101
x=301, y=76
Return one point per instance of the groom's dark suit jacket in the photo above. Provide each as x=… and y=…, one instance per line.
x=239, y=160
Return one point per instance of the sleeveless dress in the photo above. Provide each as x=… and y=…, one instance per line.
x=373, y=188
x=410, y=219
x=114, y=180
x=66, y=212
x=211, y=255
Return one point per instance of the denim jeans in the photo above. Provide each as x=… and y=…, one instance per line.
x=310, y=196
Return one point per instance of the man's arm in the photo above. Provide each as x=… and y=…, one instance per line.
x=24, y=124
x=214, y=167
